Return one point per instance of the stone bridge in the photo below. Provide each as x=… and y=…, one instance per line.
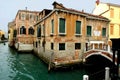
x=105, y=54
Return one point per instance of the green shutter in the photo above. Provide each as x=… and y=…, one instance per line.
x=78, y=27
x=15, y=33
x=39, y=31
x=88, y=30
x=62, y=25
x=52, y=23
x=104, y=32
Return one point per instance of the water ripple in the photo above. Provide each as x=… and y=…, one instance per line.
x=27, y=75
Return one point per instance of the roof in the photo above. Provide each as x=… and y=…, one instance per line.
x=88, y=15
x=73, y=11
x=111, y=4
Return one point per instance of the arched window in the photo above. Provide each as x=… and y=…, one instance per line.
x=8, y=31
x=22, y=30
x=31, y=31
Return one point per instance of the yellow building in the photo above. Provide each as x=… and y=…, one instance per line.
x=112, y=12
x=1, y=33
x=11, y=28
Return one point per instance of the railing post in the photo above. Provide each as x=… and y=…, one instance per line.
x=85, y=77
x=107, y=73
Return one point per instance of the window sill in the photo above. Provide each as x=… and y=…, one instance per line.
x=78, y=35
x=42, y=36
x=104, y=36
x=51, y=34
x=39, y=37
x=89, y=36
x=62, y=34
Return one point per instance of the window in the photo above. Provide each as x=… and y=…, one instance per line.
x=52, y=24
x=9, y=31
x=27, y=16
x=18, y=32
x=39, y=31
x=52, y=46
x=119, y=14
x=15, y=33
x=36, y=44
x=22, y=30
x=111, y=29
x=77, y=45
x=31, y=31
x=62, y=26
x=23, y=16
x=119, y=29
x=61, y=46
x=42, y=31
x=111, y=13
x=37, y=18
x=43, y=43
x=88, y=30
x=104, y=32
x=78, y=27
x=31, y=17
x=20, y=16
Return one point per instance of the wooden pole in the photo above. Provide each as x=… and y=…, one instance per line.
x=50, y=61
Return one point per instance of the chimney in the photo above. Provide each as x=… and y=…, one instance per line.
x=97, y=2
x=82, y=10
x=58, y=5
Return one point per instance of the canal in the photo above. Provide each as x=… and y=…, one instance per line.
x=26, y=66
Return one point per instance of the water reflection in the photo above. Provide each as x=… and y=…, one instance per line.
x=22, y=66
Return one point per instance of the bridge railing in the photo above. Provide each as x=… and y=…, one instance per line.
x=105, y=48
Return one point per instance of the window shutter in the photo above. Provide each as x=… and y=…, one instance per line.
x=88, y=30
x=78, y=27
x=52, y=22
x=104, y=32
x=39, y=32
x=62, y=26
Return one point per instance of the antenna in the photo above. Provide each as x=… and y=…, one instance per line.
x=26, y=8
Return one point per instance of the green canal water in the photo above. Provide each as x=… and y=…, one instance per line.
x=16, y=66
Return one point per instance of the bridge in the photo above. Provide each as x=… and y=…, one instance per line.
x=105, y=54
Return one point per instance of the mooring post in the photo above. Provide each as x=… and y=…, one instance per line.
x=50, y=61
x=107, y=73
x=85, y=77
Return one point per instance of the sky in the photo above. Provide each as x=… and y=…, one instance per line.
x=9, y=8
